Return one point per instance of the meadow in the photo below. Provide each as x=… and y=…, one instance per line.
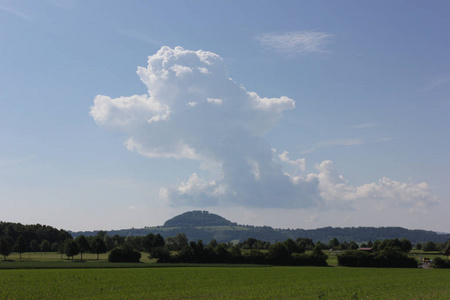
x=46, y=276
x=225, y=282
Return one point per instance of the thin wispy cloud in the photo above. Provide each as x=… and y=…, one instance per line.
x=300, y=42
x=365, y=125
x=14, y=11
x=63, y=4
x=140, y=37
x=333, y=143
x=437, y=82
x=16, y=160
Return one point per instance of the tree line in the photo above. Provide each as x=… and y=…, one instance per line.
x=177, y=248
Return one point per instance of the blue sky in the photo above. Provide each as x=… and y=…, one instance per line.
x=293, y=114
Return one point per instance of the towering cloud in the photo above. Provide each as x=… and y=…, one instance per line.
x=194, y=110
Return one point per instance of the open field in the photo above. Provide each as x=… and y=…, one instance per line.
x=53, y=257
x=225, y=283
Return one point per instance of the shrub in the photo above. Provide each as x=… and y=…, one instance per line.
x=441, y=263
x=125, y=253
x=255, y=256
x=388, y=258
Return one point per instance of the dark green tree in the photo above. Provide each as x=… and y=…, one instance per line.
x=135, y=241
x=292, y=246
x=83, y=244
x=429, y=246
x=162, y=254
x=159, y=241
x=101, y=233
x=305, y=243
x=55, y=247
x=352, y=246
x=148, y=242
x=61, y=249
x=278, y=254
x=177, y=242
x=98, y=246
x=320, y=245
x=45, y=246
x=5, y=246
x=213, y=244
x=405, y=245
x=34, y=246
x=334, y=244
x=222, y=253
x=71, y=248
x=21, y=245
x=118, y=240
x=108, y=242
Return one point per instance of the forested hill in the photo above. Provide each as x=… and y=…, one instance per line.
x=202, y=225
x=197, y=218
x=35, y=232
x=364, y=234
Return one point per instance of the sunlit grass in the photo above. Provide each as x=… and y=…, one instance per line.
x=226, y=283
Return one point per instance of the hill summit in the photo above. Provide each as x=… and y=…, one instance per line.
x=197, y=218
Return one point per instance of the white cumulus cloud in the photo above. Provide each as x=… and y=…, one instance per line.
x=194, y=110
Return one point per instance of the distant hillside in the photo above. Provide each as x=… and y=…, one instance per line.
x=197, y=218
x=202, y=225
x=364, y=234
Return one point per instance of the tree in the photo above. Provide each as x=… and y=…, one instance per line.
x=71, y=248
x=292, y=246
x=148, y=242
x=429, y=246
x=5, y=246
x=447, y=249
x=320, y=245
x=406, y=245
x=352, y=246
x=101, y=233
x=162, y=254
x=178, y=242
x=45, y=246
x=61, y=249
x=278, y=254
x=334, y=244
x=98, y=245
x=21, y=245
x=34, y=246
x=159, y=241
x=213, y=244
x=222, y=253
x=305, y=243
x=83, y=244
x=118, y=240
x=419, y=246
x=135, y=241
x=55, y=247
x=108, y=242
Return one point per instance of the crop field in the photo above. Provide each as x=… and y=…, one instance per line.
x=225, y=283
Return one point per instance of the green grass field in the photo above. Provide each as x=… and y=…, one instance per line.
x=225, y=283
x=46, y=276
